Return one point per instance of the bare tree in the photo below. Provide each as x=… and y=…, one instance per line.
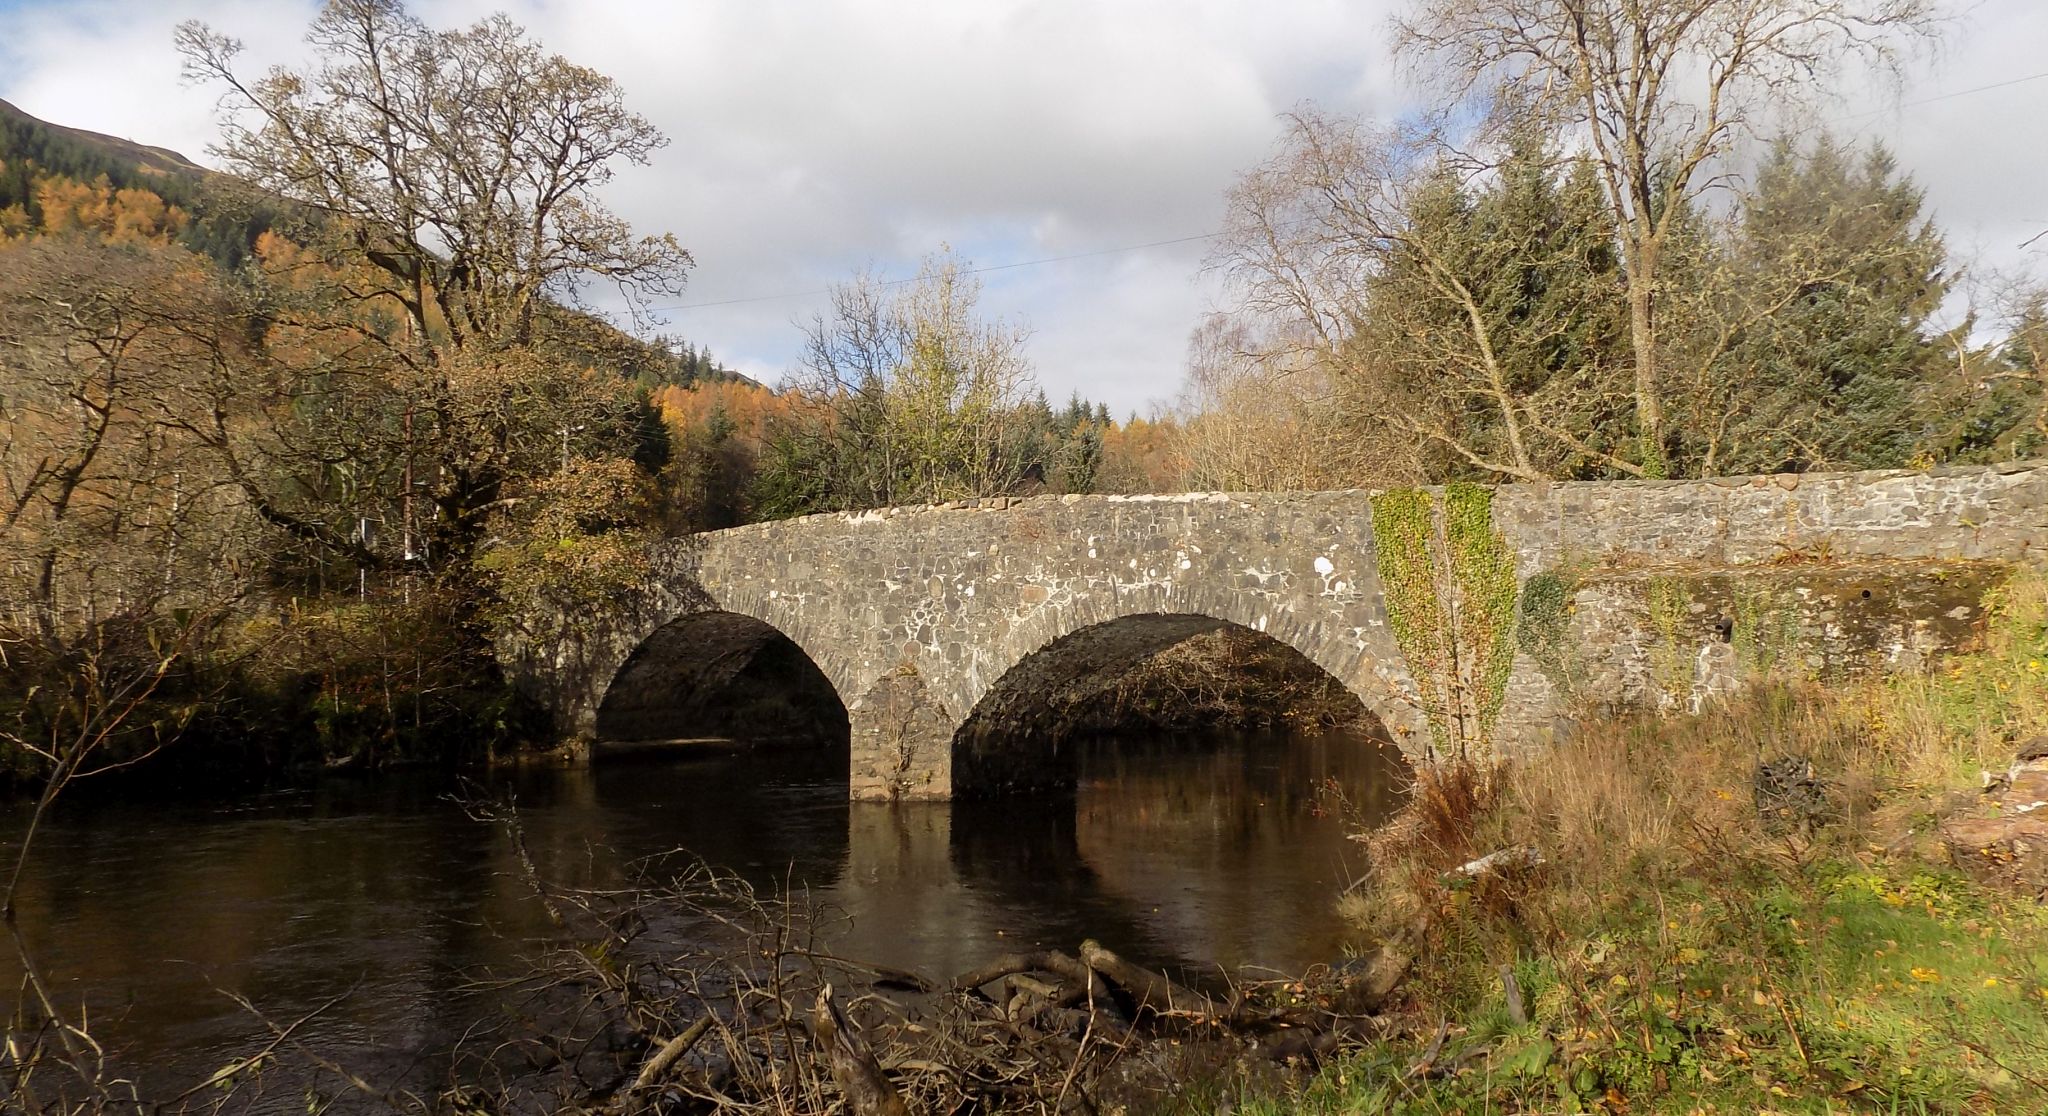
x=463, y=164
x=1254, y=423
x=1656, y=91
x=921, y=391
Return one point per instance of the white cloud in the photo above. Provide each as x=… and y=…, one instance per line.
x=813, y=137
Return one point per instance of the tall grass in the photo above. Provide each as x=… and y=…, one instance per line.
x=1675, y=952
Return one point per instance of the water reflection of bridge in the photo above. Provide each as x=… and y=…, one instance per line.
x=1231, y=855
x=1212, y=851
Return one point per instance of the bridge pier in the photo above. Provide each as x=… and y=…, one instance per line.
x=902, y=740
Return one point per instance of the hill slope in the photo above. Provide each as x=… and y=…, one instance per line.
x=217, y=215
x=112, y=153
x=40, y=161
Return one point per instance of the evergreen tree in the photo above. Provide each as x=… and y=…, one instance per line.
x=1850, y=270
x=1493, y=325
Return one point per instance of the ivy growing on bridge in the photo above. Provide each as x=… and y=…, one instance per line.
x=1448, y=579
x=1543, y=630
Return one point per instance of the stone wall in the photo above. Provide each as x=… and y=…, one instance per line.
x=915, y=613
x=1682, y=589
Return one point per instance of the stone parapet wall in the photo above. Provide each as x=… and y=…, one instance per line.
x=1995, y=511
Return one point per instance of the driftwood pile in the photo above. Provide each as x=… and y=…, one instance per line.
x=697, y=996
x=1045, y=1031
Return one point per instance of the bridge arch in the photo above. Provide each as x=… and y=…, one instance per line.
x=1171, y=671
x=715, y=673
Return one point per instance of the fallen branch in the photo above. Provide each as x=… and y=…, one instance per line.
x=1014, y=964
x=658, y=1066
x=1149, y=991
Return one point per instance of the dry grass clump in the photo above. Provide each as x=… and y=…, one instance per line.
x=1619, y=806
x=1645, y=911
x=1633, y=802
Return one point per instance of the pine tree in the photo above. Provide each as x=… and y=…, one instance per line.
x=1516, y=278
x=1838, y=370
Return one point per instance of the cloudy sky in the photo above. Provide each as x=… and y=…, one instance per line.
x=811, y=138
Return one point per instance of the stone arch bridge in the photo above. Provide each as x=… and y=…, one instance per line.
x=919, y=617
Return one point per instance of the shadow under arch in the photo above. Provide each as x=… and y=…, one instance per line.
x=716, y=674
x=1163, y=673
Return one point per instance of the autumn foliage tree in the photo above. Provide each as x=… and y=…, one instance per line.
x=120, y=548
x=109, y=509
x=452, y=180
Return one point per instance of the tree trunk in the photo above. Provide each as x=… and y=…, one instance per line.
x=1642, y=328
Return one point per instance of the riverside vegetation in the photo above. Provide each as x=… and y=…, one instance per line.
x=1690, y=940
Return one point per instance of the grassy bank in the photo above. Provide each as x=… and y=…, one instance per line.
x=1689, y=944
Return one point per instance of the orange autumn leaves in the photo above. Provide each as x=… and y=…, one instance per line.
x=122, y=216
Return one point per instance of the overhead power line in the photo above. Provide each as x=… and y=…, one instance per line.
x=1943, y=97
x=1119, y=249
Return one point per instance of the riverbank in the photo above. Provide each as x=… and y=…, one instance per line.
x=1799, y=901
x=1810, y=900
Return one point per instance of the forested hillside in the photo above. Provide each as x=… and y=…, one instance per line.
x=54, y=179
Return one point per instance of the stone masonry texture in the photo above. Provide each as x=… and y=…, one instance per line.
x=914, y=614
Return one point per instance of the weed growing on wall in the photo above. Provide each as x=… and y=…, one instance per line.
x=1765, y=629
x=1669, y=599
x=1543, y=629
x=1448, y=580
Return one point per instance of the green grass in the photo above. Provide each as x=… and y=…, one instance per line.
x=1844, y=990
x=1676, y=957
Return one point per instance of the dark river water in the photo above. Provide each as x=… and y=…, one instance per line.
x=1206, y=856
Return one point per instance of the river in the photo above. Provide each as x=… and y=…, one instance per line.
x=1204, y=856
